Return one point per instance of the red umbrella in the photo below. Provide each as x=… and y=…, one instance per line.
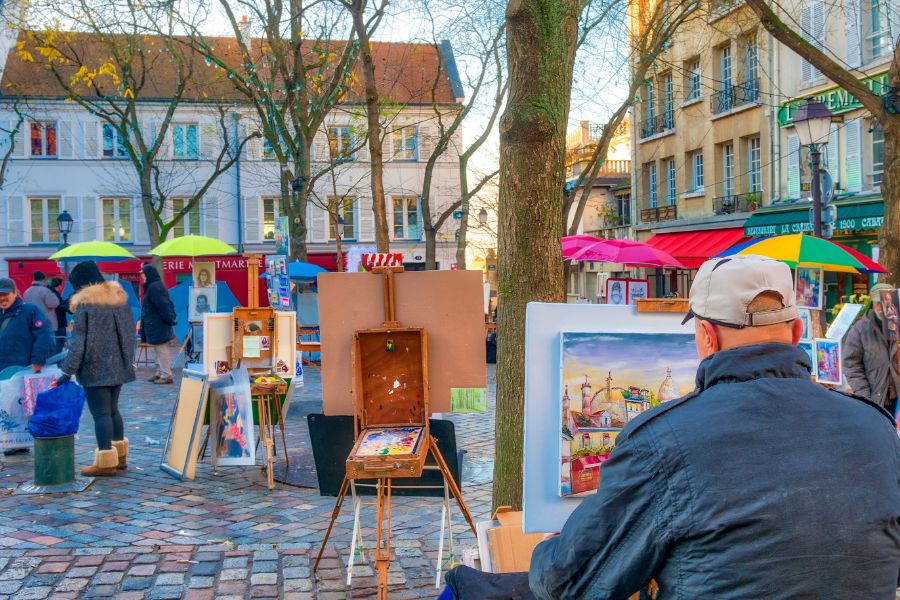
x=626, y=252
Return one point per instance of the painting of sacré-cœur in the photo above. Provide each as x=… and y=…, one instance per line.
x=609, y=379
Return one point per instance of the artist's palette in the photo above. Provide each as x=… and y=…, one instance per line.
x=393, y=441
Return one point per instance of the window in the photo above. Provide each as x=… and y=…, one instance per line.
x=754, y=169
x=651, y=184
x=623, y=208
x=751, y=71
x=184, y=141
x=694, y=80
x=728, y=169
x=340, y=143
x=190, y=224
x=670, y=176
x=879, y=37
x=113, y=142
x=668, y=102
x=651, y=104
x=116, y=219
x=43, y=139
x=697, y=171
x=725, y=80
x=271, y=211
x=43, y=220
x=877, y=155
x=406, y=143
x=406, y=217
x=346, y=217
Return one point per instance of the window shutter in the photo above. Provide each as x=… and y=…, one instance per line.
x=15, y=210
x=140, y=231
x=91, y=139
x=73, y=205
x=387, y=147
x=426, y=143
x=252, y=211
x=66, y=145
x=793, y=165
x=320, y=147
x=831, y=153
x=210, y=141
x=20, y=143
x=421, y=230
x=253, y=149
x=318, y=224
x=90, y=218
x=853, y=45
x=365, y=220
x=853, y=155
x=806, y=69
x=360, y=139
x=211, y=216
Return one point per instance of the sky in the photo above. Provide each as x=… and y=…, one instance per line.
x=635, y=359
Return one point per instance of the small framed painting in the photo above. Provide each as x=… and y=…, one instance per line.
x=809, y=287
x=806, y=319
x=807, y=346
x=201, y=301
x=827, y=364
x=617, y=291
x=890, y=304
x=637, y=290
x=204, y=274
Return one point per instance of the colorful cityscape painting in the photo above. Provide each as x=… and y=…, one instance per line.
x=608, y=379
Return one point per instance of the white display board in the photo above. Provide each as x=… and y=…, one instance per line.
x=544, y=509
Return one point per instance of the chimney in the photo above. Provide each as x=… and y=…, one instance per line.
x=244, y=28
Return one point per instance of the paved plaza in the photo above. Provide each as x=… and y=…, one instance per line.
x=144, y=534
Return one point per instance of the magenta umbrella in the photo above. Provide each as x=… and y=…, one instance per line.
x=626, y=252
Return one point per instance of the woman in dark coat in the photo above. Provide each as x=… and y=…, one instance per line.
x=101, y=356
x=62, y=312
x=157, y=319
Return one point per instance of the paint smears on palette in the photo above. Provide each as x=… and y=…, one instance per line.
x=390, y=442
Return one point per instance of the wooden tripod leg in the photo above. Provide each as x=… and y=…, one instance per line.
x=264, y=433
x=283, y=439
x=334, y=515
x=451, y=483
x=383, y=555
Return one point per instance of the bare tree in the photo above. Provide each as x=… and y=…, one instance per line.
x=884, y=109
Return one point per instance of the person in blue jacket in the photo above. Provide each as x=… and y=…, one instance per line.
x=758, y=484
x=26, y=338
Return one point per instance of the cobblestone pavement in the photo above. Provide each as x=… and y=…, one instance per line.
x=144, y=534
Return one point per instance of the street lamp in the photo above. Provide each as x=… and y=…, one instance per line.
x=812, y=122
x=64, y=223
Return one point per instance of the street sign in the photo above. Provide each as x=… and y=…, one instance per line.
x=457, y=214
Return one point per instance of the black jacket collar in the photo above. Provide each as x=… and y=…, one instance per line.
x=753, y=362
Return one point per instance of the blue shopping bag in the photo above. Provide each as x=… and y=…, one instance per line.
x=57, y=411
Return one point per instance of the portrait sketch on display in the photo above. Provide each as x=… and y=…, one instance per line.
x=890, y=306
x=204, y=274
x=200, y=302
x=617, y=291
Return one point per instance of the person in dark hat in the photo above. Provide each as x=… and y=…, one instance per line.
x=41, y=296
x=157, y=319
x=101, y=356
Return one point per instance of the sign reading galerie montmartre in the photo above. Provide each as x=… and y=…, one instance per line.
x=837, y=99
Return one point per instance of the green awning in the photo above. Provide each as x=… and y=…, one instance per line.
x=850, y=217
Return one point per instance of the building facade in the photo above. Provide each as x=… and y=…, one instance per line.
x=65, y=159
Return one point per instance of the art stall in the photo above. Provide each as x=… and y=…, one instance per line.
x=240, y=390
x=397, y=348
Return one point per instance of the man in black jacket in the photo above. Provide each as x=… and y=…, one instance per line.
x=157, y=319
x=759, y=484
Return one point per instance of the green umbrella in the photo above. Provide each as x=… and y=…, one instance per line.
x=193, y=245
x=96, y=251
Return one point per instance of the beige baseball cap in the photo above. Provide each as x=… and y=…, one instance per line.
x=725, y=287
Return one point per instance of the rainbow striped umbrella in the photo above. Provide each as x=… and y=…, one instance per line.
x=809, y=251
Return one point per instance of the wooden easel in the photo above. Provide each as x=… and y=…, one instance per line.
x=383, y=480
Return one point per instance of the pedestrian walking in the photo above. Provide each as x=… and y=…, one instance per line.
x=157, y=319
x=41, y=296
x=54, y=284
x=101, y=356
x=870, y=356
x=758, y=484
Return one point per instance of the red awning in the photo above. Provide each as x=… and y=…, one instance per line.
x=692, y=248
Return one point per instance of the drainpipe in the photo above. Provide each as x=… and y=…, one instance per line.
x=237, y=183
x=774, y=129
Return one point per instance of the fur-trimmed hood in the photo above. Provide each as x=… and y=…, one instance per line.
x=108, y=293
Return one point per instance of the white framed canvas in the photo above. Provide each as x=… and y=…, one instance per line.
x=806, y=320
x=545, y=509
x=827, y=361
x=638, y=289
x=807, y=346
x=231, y=420
x=842, y=323
x=200, y=302
x=809, y=287
x=617, y=291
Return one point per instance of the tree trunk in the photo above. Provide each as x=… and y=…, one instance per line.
x=150, y=217
x=376, y=153
x=430, y=248
x=541, y=38
x=462, y=236
x=889, y=235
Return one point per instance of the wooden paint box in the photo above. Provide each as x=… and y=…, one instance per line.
x=390, y=397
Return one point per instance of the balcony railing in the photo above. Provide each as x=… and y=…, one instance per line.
x=657, y=124
x=736, y=203
x=734, y=96
x=660, y=213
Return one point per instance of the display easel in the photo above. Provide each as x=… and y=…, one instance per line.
x=373, y=354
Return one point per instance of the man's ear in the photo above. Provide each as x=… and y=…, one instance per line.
x=796, y=331
x=707, y=339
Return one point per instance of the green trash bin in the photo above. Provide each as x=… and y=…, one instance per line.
x=54, y=468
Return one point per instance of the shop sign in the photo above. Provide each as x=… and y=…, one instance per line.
x=837, y=99
x=852, y=224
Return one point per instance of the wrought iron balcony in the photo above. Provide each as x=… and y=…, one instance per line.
x=668, y=212
x=657, y=124
x=736, y=203
x=734, y=96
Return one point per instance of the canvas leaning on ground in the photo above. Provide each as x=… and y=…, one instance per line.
x=608, y=379
x=231, y=420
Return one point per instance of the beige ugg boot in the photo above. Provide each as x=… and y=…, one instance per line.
x=105, y=462
x=121, y=447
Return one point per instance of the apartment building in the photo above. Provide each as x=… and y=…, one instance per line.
x=64, y=158
x=702, y=140
x=861, y=35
